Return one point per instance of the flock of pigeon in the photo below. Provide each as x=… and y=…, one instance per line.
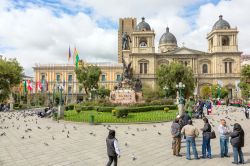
x=30, y=122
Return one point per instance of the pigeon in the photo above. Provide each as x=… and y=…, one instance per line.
x=154, y=125
x=159, y=133
x=46, y=144
x=22, y=137
x=62, y=131
x=126, y=132
x=133, y=157
x=67, y=136
x=38, y=127
x=91, y=133
x=104, y=125
x=126, y=144
x=94, y=135
x=53, y=138
x=3, y=134
x=29, y=136
x=137, y=129
x=68, y=132
x=133, y=134
x=75, y=127
x=48, y=127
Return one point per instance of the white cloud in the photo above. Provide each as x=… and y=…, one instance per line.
x=36, y=35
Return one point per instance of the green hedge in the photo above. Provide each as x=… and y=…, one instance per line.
x=105, y=109
x=70, y=107
x=121, y=112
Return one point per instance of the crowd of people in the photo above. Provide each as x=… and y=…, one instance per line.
x=180, y=129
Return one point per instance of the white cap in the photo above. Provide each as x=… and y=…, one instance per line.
x=178, y=116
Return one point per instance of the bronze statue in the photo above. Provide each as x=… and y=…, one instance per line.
x=127, y=70
x=125, y=41
x=138, y=85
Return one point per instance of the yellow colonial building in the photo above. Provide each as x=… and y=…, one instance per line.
x=221, y=64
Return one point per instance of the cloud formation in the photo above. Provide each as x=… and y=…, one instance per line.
x=39, y=31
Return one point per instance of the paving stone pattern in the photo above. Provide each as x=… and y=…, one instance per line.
x=32, y=141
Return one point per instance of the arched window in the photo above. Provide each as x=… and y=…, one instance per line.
x=204, y=68
x=225, y=41
x=143, y=42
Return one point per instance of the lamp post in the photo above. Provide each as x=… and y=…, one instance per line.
x=180, y=87
x=165, y=88
x=60, y=107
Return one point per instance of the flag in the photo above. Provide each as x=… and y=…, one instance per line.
x=21, y=87
x=38, y=86
x=25, y=86
x=69, y=55
x=29, y=85
x=76, y=58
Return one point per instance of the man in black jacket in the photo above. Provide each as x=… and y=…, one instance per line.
x=237, y=141
x=206, y=130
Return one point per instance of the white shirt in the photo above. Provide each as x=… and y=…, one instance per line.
x=117, y=150
x=224, y=130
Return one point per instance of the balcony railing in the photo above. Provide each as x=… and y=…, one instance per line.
x=218, y=75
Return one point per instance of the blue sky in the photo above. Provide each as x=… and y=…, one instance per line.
x=42, y=30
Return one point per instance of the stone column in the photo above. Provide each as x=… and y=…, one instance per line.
x=60, y=113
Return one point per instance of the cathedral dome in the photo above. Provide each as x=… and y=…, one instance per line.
x=221, y=24
x=167, y=37
x=143, y=26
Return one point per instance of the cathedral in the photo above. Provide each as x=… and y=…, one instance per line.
x=219, y=65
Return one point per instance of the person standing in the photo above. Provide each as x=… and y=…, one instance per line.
x=191, y=132
x=237, y=141
x=112, y=148
x=247, y=112
x=224, y=132
x=206, y=147
x=176, y=134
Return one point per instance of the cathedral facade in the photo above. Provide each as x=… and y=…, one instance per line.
x=219, y=65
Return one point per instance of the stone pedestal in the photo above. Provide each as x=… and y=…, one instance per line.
x=11, y=101
x=60, y=113
x=126, y=55
x=180, y=108
x=123, y=96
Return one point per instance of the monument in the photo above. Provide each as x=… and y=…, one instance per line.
x=129, y=89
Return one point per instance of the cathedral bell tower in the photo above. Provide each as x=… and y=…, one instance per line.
x=222, y=38
x=143, y=38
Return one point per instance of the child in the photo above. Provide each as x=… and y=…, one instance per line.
x=112, y=148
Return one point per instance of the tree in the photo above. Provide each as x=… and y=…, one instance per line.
x=10, y=76
x=172, y=74
x=88, y=76
x=103, y=92
x=219, y=92
x=245, y=81
x=205, y=92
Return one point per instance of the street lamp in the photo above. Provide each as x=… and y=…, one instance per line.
x=180, y=87
x=166, y=91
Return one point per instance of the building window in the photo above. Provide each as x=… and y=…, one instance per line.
x=43, y=77
x=103, y=77
x=69, y=90
x=58, y=79
x=230, y=67
x=204, y=68
x=143, y=68
x=225, y=41
x=118, y=77
x=70, y=78
x=225, y=67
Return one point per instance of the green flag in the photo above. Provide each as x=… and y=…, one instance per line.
x=76, y=58
x=25, y=86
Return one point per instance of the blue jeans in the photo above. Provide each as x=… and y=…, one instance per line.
x=238, y=152
x=206, y=147
x=224, y=146
x=190, y=141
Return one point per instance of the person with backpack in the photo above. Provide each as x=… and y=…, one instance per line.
x=237, y=141
x=112, y=148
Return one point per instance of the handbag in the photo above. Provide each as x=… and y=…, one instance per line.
x=212, y=135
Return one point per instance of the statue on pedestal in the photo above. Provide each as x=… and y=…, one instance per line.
x=138, y=85
x=125, y=41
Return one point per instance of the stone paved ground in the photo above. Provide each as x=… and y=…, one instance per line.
x=84, y=149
